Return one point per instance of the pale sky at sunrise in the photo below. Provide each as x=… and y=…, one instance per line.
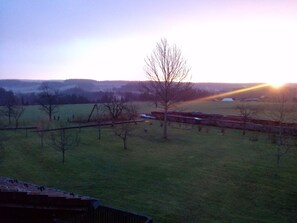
x=223, y=41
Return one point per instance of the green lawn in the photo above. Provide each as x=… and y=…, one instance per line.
x=32, y=114
x=193, y=177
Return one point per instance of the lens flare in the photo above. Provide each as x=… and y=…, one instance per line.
x=277, y=84
x=224, y=94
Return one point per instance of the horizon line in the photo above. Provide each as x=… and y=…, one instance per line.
x=202, y=82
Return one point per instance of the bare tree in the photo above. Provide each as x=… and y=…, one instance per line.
x=2, y=139
x=63, y=140
x=7, y=111
x=247, y=112
x=125, y=129
x=48, y=100
x=115, y=107
x=282, y=111
x=98, y=114
x=167, y=72
x=17, y=114
x=8, y=101
x=118, y=110
x=41, y=126
x=13, y=112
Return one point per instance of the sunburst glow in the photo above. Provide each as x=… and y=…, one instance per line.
x=277, y=84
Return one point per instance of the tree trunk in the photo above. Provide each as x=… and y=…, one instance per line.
x=243, y=132
x=278, y=155
x=99, y=131
x=125, y=142
x=63, y=160
x=279, y=147
x=165, y=122
x=50, y=115
x=9, y=115
x=244, y=123
x=41, y=140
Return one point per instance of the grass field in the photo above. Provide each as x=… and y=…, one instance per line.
x=193, y=177
x=32, y=113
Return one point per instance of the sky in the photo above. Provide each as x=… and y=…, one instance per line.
x=222, y=40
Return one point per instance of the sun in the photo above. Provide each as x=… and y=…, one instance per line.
x=276, y=84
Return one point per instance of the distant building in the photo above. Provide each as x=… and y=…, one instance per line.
x=227, y=99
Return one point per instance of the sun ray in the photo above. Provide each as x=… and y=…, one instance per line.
x=225, y=94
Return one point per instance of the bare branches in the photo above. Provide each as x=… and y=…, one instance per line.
x=119, y=110
x=124, y=130
x=63, y=140
x=10, y=106
x=115, y=107
x=281, y=110
x=247, y=112
x=48, y=100
x=17, y=113
x=167, y=71
x=42, y=125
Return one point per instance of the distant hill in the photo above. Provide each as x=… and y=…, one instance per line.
x=29, y=86
x=22, y=86
x=87, y=85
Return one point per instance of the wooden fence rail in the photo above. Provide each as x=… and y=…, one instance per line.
x=89, y=126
